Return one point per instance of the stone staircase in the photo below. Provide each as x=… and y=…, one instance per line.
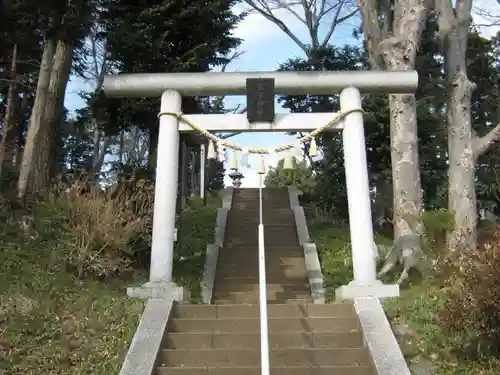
x=224, y=338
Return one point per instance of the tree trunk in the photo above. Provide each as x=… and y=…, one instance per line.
x=7, y=144
x=53, y=117
x=31, y=146
x=399, y=53
x=19, y=132
x=407, y=193
x=121, y=147
x=392, y=35
x=96, y=144
x=383, y=197
x=98, y=162
x=153, y=147
x=462, y=158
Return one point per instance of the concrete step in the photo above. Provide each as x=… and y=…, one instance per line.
x=252, y=205
x=244, y=282
x=249, y=261
x=284, y=224
x=274, y=276
x=272, y=237
x=270, y=251
x=237, y=242
x=271, y=224
x=275, y=325
x=278, y=357
x=275, y=370
x=268, y=210
x=278, y=203
x=279, y=265
x=252, y=298
x=252, y=340
x=252, y=253
x=252, y=231
x=254, y=288
x=270, y=248
x=274, y=240
x=339, y=310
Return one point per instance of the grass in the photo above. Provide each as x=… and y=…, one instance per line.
x=197, y=230
x=420, y=337
x=52, y=322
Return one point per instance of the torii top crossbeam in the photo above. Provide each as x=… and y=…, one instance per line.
x=234, y=83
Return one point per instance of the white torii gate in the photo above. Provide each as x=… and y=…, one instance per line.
x=172, y=86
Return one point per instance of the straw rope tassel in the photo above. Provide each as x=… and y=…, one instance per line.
x=211, y=151
x=262, y=166
x=233, y=163
x=313, y=148
x=288, y=162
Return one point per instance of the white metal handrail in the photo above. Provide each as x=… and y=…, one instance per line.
x=264, y=334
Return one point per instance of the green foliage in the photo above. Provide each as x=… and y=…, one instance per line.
x=159, y=36
x=215, y=175
x=438, y=224
x=300, y=176
x=334, y=250
x=197, y=231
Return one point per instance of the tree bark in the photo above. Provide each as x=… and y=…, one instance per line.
x=7, y=144
x=392, y=41
x=153, y=147
x=462, y=159
x=462, y=151
x=462, y=165
x=19, y=132
x=53, y=116
x=31, y=146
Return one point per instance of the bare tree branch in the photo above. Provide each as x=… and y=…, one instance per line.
x=233, y=57
x=492, y=19
x=311, y=13
x=482, y=144
x=372, y=29
x=266, y=12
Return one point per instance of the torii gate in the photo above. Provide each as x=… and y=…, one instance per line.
x=172, y=86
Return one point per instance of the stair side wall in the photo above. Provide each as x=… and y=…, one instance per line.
x=379, y=338
x=316, y=279
x=142, y=356
x=212, y=253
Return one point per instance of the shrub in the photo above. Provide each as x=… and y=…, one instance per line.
x=102, y=234
x=471, y=311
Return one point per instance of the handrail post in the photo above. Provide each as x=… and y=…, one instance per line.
x=264, y=336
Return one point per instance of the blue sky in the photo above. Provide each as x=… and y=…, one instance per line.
x=264, y=47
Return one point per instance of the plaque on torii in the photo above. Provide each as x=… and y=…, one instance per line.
x=260, y=100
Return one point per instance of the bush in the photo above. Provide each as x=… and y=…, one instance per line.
x=471, y=311
x=437, y=225
x=103, y=234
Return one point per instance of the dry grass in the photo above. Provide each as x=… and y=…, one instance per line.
x=65, y=265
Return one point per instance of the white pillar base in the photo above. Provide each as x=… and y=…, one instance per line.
x=160, y=290
x=377, y=289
